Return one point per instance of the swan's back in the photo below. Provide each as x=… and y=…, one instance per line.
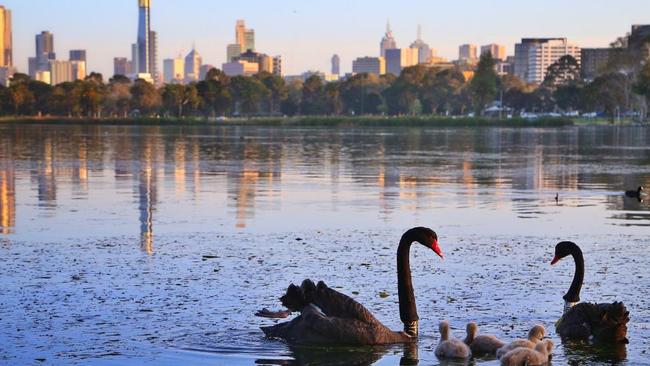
x=527, y=356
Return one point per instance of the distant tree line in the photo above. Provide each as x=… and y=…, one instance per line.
x=622, y=87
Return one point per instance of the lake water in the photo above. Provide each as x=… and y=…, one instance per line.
x=156, y=245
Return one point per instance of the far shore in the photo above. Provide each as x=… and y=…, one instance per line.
x=324, y=121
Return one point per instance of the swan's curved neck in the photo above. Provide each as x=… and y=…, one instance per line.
x=573, y=295
x=407, y=308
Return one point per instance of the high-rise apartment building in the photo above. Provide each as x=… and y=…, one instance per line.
x=6, y=38
x=388, y=42
x=144, y=36
x=533, y=56
x=467, y=53
x=174, y=70
x=78, y=55
x=336, y=65
x=424, y=51
x=399, y=58
x=78, y=70
x=498, y=51
x=193, y=63
x=369, y=65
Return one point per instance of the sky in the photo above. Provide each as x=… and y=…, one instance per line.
x=308, y=32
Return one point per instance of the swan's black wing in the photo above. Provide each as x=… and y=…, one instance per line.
x=331, y=302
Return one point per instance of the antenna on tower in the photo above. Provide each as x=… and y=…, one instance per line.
x=419, y=32
x=388, y=26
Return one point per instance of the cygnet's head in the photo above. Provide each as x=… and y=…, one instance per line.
x=536, y=333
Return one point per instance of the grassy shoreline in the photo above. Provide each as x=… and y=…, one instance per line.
x=324, y=121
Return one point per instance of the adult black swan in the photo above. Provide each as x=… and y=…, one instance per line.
x=328, y=317
x=604, y=323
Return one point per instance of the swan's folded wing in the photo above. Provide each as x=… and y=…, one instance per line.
x=336, y=304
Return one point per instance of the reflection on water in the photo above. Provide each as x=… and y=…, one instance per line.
x=247, y=170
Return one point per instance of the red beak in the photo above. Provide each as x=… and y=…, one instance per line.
x=436, y=249
x=555, y=260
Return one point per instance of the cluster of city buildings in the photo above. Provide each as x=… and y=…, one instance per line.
x=531, y=59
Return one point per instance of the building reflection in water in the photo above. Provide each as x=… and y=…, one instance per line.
x=45, y=174
x=147, y=194
x=7, y=190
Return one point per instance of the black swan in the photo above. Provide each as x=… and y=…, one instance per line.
x=634, y=194
x=332, y=318
x=606, y=323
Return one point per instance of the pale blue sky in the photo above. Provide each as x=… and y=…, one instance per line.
x=308, y=32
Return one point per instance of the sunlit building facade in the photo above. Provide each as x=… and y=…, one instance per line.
x=6, y=38
x=533, y=56
x=498, y=51
x=398, y=59
x=193, y=63
x=174, y=70
x=369, y=65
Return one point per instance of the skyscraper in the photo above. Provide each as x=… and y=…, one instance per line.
x=397, y=59
x=498, y=51
x=388, y=42
x=122, y=66
x=173, y=70
x=6, y=39
x=424, y=51
x=153, y=56
x=144, y=34
x=244, y=37
x=78, y=55
x=44, y=50
x=467, y=53
x=336, y=65
x=193, y=63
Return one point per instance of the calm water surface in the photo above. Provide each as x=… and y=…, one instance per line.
x=155, y=245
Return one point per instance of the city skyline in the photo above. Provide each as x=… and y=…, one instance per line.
x=310, y=49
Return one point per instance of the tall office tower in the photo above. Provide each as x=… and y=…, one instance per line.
x=336, y=65
x=277, y=65
x=244, y=37
x=134, y=58
x=388, y=42
x=144, y=34
x=467, y=53
x=78, y=69
x=174, y=70
x=78, y=55
x=424, y=51
x=6, y=39
x=153, y=56
x=193, y=63
x=399, y=58
x=498, y=51
x=533, y=56
x=44, y=50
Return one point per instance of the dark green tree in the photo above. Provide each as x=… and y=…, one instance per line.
x=145, y=98
x=484, y=83
x=564, y=71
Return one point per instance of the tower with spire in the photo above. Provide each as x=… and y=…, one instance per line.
x=388, y=42
x=424, y=51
